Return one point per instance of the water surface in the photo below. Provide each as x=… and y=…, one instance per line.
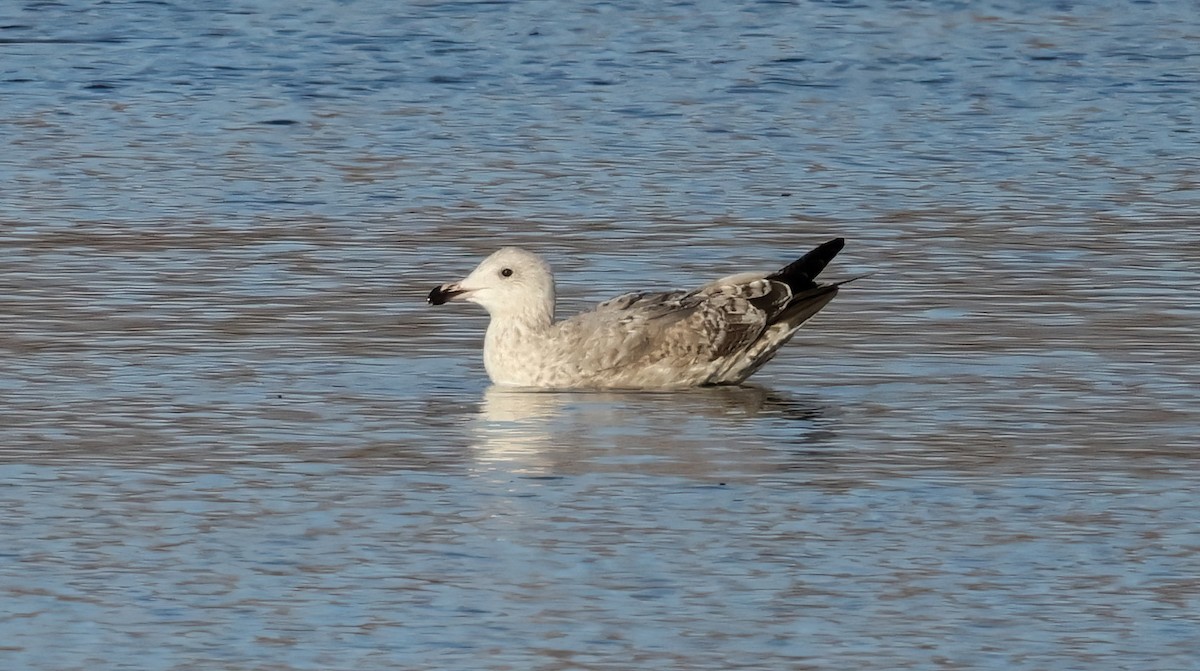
x=232, y=435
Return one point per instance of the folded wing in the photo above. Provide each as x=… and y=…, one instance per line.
x=721, y=332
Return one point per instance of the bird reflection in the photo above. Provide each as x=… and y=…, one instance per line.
x=506, y=404
x=696, y=432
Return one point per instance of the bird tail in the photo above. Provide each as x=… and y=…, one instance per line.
x=804, y=305
x=808, y=297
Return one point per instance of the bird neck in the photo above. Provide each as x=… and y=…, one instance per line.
x=528, y=320
x=512, y=342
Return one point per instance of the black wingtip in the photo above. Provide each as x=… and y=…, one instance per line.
x=801, y=273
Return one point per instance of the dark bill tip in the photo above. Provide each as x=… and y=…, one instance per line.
x=440, y=295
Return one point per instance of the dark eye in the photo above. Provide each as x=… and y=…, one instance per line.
x=507, y=272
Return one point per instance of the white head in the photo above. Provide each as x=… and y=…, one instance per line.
x=510, y=283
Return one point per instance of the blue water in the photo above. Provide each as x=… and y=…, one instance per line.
x=234, y=436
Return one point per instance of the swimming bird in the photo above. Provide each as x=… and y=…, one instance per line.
x=720, y=333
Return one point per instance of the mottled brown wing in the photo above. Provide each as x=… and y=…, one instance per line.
x=734, y=316
x=705, y=325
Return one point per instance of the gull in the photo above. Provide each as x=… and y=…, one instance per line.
x=718, y=334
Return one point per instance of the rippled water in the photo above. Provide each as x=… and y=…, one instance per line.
x=232, y=435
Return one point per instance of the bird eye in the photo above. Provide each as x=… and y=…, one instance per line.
x=507, y=272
